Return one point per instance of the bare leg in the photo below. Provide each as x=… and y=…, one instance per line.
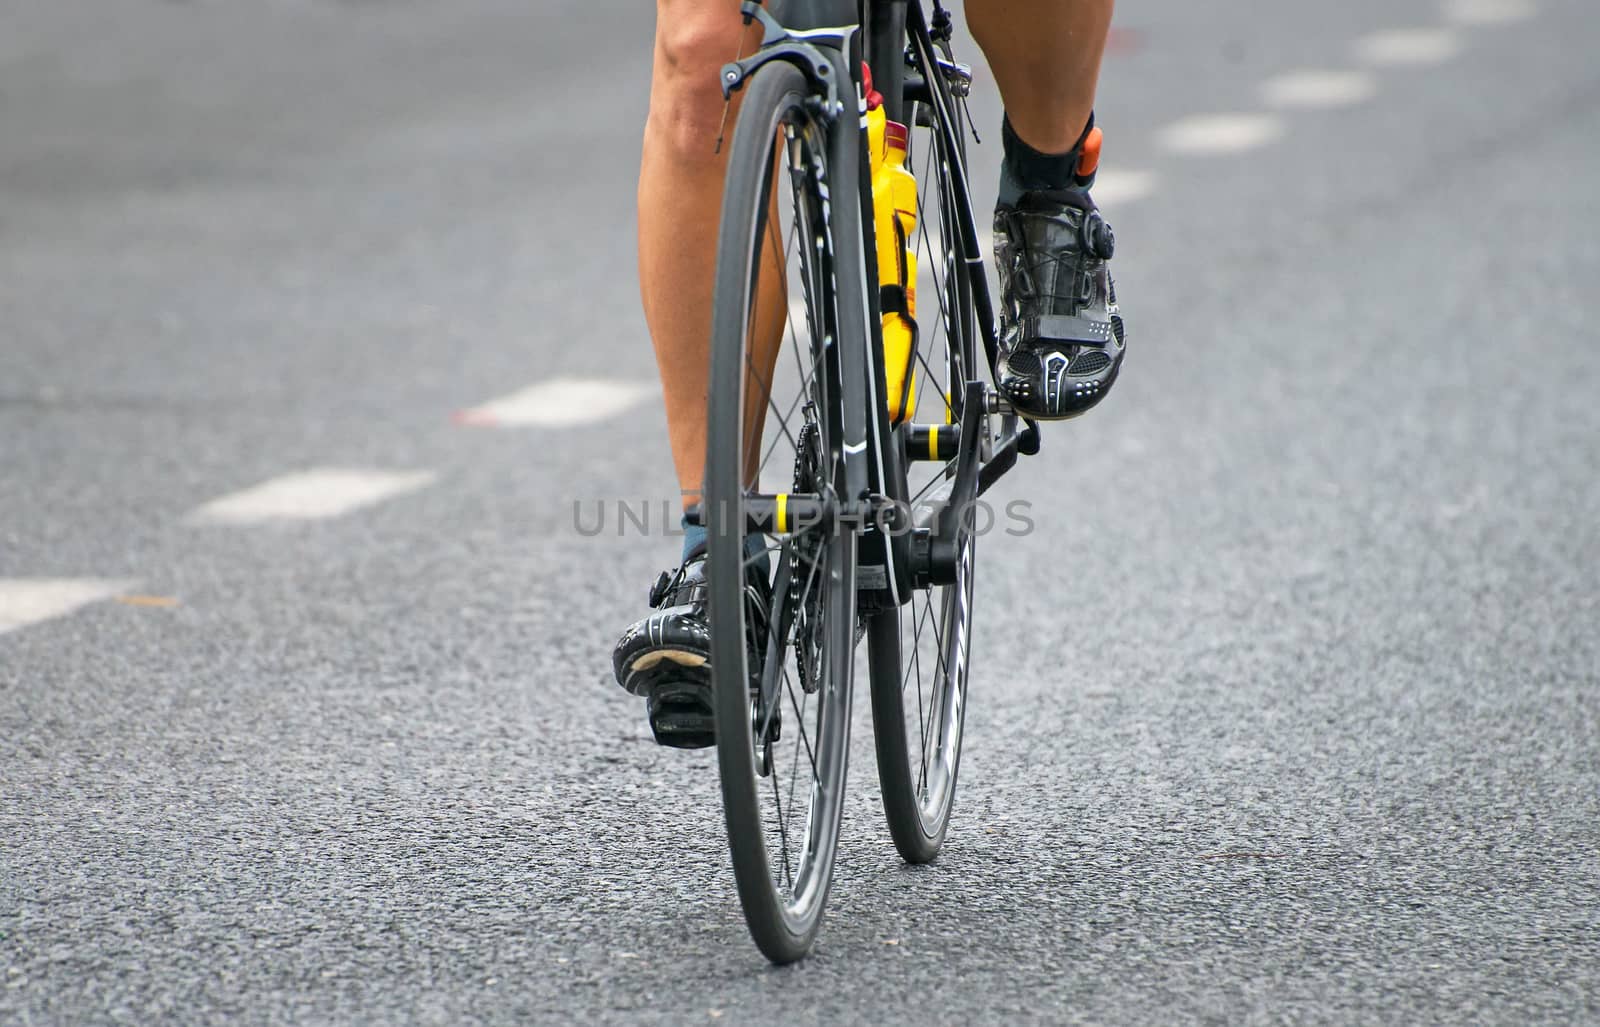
x=1045, y=56
x=680, y=203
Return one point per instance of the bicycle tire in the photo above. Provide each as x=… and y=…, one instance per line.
x=917, y=770
x=783, y=905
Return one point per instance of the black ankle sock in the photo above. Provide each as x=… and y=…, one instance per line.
x=1024, y=169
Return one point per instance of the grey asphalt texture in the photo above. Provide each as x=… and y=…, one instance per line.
x=1287, y=711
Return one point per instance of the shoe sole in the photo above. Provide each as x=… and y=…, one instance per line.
x=680, y=657
x=677, y=686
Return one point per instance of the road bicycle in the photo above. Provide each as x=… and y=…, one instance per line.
x=833, y=521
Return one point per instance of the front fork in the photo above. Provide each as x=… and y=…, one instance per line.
x=820, y=54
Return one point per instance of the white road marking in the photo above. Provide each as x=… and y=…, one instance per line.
x=1408, y=46
x=1113, y=186
x=1315, y=88
x=25, y=601
x=1203, y=134
x=560, y=402
x=310, y=495
x=1488, y=12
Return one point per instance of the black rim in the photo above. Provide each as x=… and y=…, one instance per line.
x=783, y=712
x=921, y=648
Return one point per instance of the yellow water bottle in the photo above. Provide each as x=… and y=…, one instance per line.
x=894, y=205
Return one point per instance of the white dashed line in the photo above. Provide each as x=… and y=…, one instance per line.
x=310, y=495
x=25, y=601
x=1113, y=187
x=1408, y=46
x=1203, y=134
x=1313, y=88
x=560, y=402
x=1488, y=12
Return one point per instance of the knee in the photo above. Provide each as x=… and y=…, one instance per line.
x=694, y=39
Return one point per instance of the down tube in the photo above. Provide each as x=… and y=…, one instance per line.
x=860, y=420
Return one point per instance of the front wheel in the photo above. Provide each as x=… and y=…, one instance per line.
x=781, y=595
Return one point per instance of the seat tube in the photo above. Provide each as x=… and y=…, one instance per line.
x=886, y=43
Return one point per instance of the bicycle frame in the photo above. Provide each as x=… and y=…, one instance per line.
x=896, y=551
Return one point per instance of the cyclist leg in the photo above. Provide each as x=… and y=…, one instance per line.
x=664, y=657
x=1061, y=328
x=680, y=201
x=1045, y=56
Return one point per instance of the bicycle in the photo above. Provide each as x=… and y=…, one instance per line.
x=867, y=531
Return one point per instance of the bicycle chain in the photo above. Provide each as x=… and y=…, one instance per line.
x=807, y=467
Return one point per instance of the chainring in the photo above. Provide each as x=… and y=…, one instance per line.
x=804, y=552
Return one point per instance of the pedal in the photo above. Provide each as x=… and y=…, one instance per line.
x=681, y=715
x=1028, y=437
x=994, y=403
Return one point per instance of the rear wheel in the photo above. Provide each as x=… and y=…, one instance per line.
x=919, y=650
x=781, y=595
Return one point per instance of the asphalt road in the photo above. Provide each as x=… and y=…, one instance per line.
x=1289, y=710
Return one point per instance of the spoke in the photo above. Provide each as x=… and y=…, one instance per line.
x=914, y=666
x=775, y=644
x=809, y=288
x=949, y=467
x=795, y=763
x=808, y=381
x=922, y=358
x=938, y=637
x=933, y=269
x=942, y=669
x=753, y=292
x=766, y=391
x=794, y=405
x=751, y=371
x=811, y=755
x=812, y=561
x=927, y=239
x=934, y=265
x=916, y=638
x=806, y=286
x=937, y=382
x=941, y=324
x=751, y=560
x=794, y=231
x=783, y=833
x=922, y=720
x=947, y=601
x=788, y=308
x=942, y=327
x=946, y=239
x=805, y=385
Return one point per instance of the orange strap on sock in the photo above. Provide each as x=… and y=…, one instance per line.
x=1089, y=158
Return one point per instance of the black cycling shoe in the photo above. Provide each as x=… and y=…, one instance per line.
x=1061, y=334
x=666, y=657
